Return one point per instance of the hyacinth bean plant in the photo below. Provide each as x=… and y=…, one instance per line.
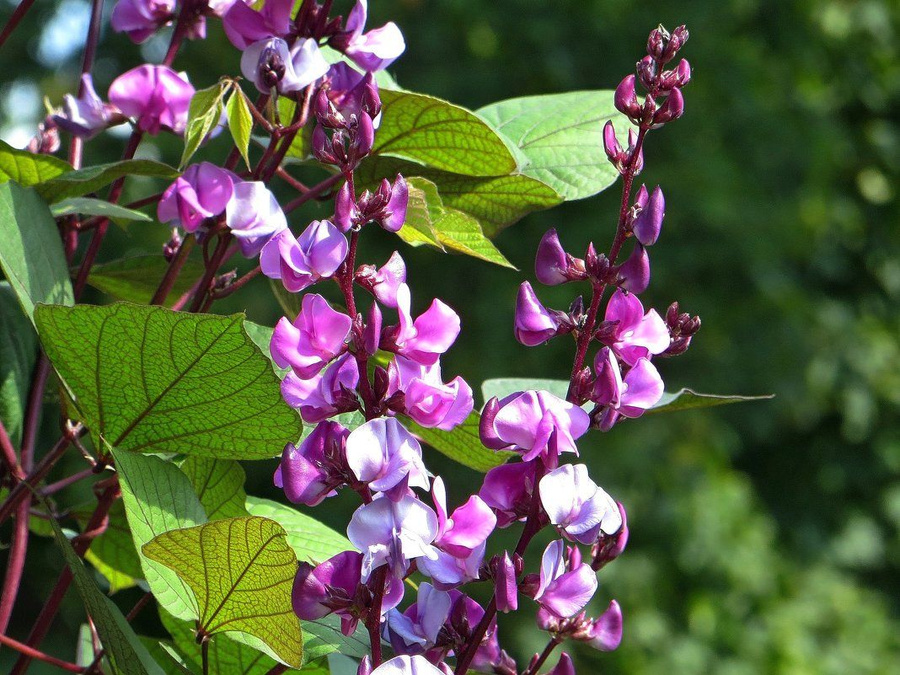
x=162, y=398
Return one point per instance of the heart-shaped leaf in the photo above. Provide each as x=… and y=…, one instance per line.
x=28, y=168
x=219, y=484
x=136, y=279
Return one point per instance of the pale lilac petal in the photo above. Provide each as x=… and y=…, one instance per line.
x=407, y=665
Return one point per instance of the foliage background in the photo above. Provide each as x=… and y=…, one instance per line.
x=765, y=537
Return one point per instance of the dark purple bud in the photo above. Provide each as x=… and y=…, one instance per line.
x=371, y=101
x=632, y=148
x=322, y=146
x=576, y=309
x=682, y=327
x=345, y=211
x=656, y=43
x=46, y=140
x=626, y=100
x=271, y=67
x=649, y=221
x=393, y=215
x=683, y=72
x=372, y=331
x=582, y=385
x=609, y=547
x=365, y=135
x=365, y=666
x=641, y=198
x=170, y=248
x=564, y=666
x=381, y=382
x=676, y=41
x=596, y=264
x=550, y=264
x=672, y=109
x=505, y=588
x=611, y=143
x=646, y=70
x=635, y=272
x=486, y=431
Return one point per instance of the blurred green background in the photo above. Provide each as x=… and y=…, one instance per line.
x=765, y=536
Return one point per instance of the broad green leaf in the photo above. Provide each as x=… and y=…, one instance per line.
x=136, y=279
x=240, y=121
x=323, y=637
x=312, y=541
x=124, y=649
x=504, y=386
x=31, y=252
x=462, y=233
x=219, y=484
x=113, y=552
x=27, y=168
x=424, y=206
x=561, y=138
x=687, y=399
x=241, y=571
x=18, y=353
x=463, y=444
x=84, y=647
x=226, y=657
x=441, y=135
x=85, y=181
x=88, y=206
x=162, y=381
x=338, y=664
x=158, y=497
x=204, y=113
x=168, y=658
x=495, y=201
x=262, y=336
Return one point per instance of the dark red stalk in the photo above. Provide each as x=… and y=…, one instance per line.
x=62, y=484
x=551, y=645
x=14, y=20
x=168, y=281
x=218, y=257
x=15, y=564
x=314, y=192
x=9, y=454
x=37, y=654
x=20, y=490
x=373, y=619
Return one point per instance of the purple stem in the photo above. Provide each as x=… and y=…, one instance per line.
x=14, y=20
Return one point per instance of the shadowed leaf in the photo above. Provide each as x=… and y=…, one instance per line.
x=463, y=444
x=18, y=352
x=219, y=484
x=84, y=181
x=136, y=279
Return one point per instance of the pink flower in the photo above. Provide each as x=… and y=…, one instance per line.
x=317, y=336
x=325, y=394
x=383, y=454
x=384, y=282
x=534, y=323
x=156, y=95
x=311, y=471
x=300, y=263
x=551, y=263
x=244, y=25
x=139, y=19
x=202, y=191
x=427, y=400
x=254, y=217
x=374, y=50
x=638, y=391
x=566, y=584
x=269, y=63
x=636, y=335
x=87, y=115
x=577, y=505
x=508, y=489
x=430, y=335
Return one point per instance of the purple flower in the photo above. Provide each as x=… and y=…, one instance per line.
x=317, y=336
x=202, y=191
x=407, y=665
x=254, y=216
x=392, y=533
x=564, y=666
x=87, y=115
x=636, y=335
x=448, y=571
x=348, y=93
x=639, y=390
x=269, y=63
x=649, y=221
x=383, y=454
x=604, y=632
x=467, y=528
x=506, y=590
x=244, y=25
x=508, y=489
x=416, y=629
x=139, y=19
x=310, y=593
x=430, y=335
x=156, y=95
x=566, y=584
x=535, y=423
x=635, y=272
x=534, y=324
x=307, y=472
x=374, y=50
x=577, y=505
x=384, y=282
x=326, y=394
x=551, y=263
x=300, y=263
x=427, y=400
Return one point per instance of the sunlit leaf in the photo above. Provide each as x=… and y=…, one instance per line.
x=88, y=206
x=462, y=444
x=687, y=399
x=504, y=386
x=93, y=178
x=28, y=168
x=219, y=484
x=162, y=381
x=204, y=113
x=241, y=571
x=561, y=138
x=240, y=121
x=113, y=552
x=31, y=252
x=312, y=541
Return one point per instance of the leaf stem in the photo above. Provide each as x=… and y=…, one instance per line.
x=204, y=654
x=168, y=281
x=14, y=20
x=37, y=654
x=551, y=645
x=314, y=192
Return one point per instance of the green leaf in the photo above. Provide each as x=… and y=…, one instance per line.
x=241, y=571
x=323, y=637
x=226, y=657
x=27, y=168
x=495, y=201
x=136, y=279
x=204, y=113
x=424, y=205
x=18, y=353
x=88, y=206
x=262, y=336
x=441, y=135
x=312, y=541
x=687, y=399
x=463, y=444
x=168, y=658
x=124, y=649
x=561, y=138
x=158, y=497
x=462, y=233
x=90, y=179
x=504, y=386
x=219, y=484
x=31, y=252
x=240, y=121
x=113, y=552
x=161, y=381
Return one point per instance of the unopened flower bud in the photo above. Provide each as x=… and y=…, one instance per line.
x=345, y=211
x=648, y=223
x=672, y=109
x=170, y=248
x=610, y=546
x=656, y=43
x=365, y=135
x=550, y=264
x=646, y=70
x=372, y=331
x=534, y=324
x=637, y=161
x=626, y=100
x=365, y=666
x=683, y=71
x=676, y=41
x=635, y=272
x=46, y=140
x=322, y=146
x=610, y=142
x=682, y=327
x=596, y=264
x=582, y=385
x=564, y=666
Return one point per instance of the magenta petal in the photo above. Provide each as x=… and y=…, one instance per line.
x=626, y=309
x=468, y=527
x=533, y=323
x=550, y=264
x=606, y=630
x=635, y=271
x=644, y=386
x=388, y=279
x=568, y=594
x=564, y=666
x=505, y=587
